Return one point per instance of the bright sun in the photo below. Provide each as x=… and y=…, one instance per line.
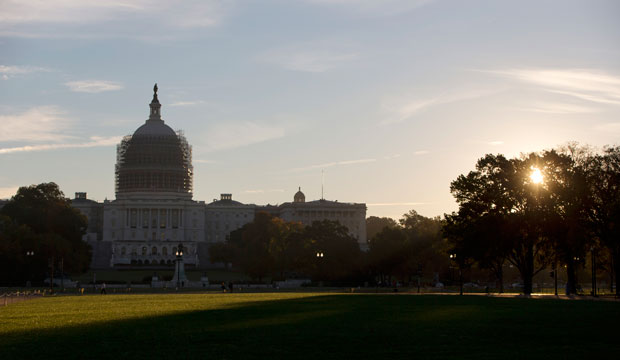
x=536, y=176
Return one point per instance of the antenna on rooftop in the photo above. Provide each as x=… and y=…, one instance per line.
x=322, y=182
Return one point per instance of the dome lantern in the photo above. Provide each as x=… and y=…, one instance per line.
x=155, y=106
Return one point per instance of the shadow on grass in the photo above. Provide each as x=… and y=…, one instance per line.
x=342, y=326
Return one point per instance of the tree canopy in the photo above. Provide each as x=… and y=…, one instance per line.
x=40, y=219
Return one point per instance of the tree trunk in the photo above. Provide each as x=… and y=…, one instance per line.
x=528, y=272
x=571, y=283
x=612, y=270
x=500, y=278
x=616, y=260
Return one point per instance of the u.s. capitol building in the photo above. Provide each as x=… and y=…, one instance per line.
x=154, y=211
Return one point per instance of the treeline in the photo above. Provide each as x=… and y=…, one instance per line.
x=39, y=229
x=547, y=210
x=325, y=252
x=270, y=246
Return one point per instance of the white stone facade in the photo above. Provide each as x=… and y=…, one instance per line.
x=147, y=232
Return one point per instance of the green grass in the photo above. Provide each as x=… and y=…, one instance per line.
x=306, y=325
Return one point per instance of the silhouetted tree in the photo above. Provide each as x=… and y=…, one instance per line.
x=426, y=245
x=388, y=251
x=375, y=224
x=250, y=246
x=567, y=209
x=55, y=228
x=341, y=252
x=222, y=252
x=503, y=188
x=604, y=179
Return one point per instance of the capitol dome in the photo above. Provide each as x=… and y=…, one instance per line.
x=155, y=160
x=299, y=197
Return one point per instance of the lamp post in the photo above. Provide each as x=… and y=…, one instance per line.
x=319, y=256
x=51, y=263
x=419, y=274
x=453, y=258
x=29, y=255
x=179, y=255
x=555, y=277
x=575, y=261
x=593, y=271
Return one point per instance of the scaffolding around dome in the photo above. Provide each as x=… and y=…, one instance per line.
x=154, y=163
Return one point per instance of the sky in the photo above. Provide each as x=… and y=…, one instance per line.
x=376, y=102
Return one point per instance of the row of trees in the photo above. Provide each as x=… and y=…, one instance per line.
x=39, y=229
x=325, y=251
x=270, y=246
x=538, y=211
x=410, y=248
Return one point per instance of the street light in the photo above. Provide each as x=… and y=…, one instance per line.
x=320, y=255
x=593, y=271
x=29, y=254
x=179, y=255
x=453, y=258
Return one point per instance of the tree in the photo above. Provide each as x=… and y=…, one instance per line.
x=250, y=246
x=604, y=180
x=221, y=252
x=387, y=252
x=375, y=224
x=567, y=208
x=341, y=252
x=426, y=246
x=55, y=228
x=504, y=189
x=483, y=240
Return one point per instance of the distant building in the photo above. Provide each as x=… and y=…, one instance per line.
x=154, y=211
x=353, y=216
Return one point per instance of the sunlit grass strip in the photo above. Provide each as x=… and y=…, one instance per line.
x=60, y=311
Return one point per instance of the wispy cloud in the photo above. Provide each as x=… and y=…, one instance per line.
x=93, y=86
x=233, y=135
x=27, y=18
x=585, y=84
x=373, y=7
x=7, y=192
x=9, y=71
x=402, y=108
x=421, y=152
x=203, y=161
x=332, y=164
x=496, y=143
x=43, y=123
x=559, y=108
x=96, y=141
x=186, y=103
x=315, y=61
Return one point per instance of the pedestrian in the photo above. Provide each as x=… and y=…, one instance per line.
x=230, y=286
x=103, y=289
x=223, y=286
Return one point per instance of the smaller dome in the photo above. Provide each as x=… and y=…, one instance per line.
x=299, y=196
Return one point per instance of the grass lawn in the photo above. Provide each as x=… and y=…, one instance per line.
x=306, y=325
